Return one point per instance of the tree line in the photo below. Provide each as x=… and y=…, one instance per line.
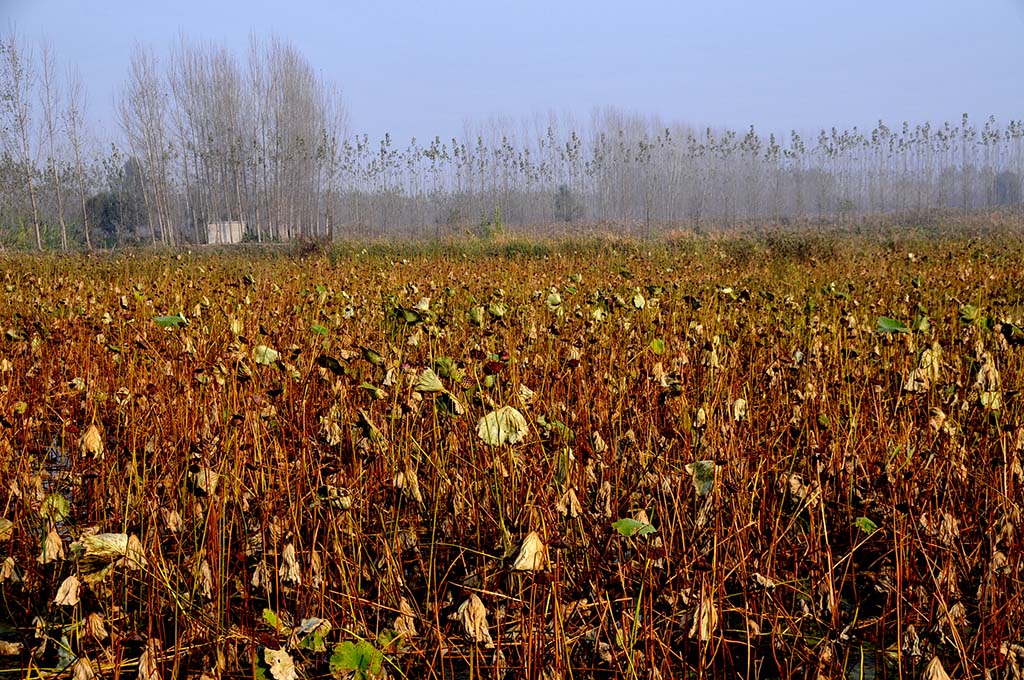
x=207, y=135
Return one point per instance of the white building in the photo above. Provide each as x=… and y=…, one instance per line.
x=223, y=233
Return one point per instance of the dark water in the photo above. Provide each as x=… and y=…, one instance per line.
x=861, y=666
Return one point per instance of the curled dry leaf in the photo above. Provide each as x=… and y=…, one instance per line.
x=935, y=670
x=90, y=444
x=331, y=429
x=134, y=555
x=701, y=419
x=289, y=569
x=916, y=381
x=946, y=529
x=280, y=663
x=204, y=481
x=988, y=384
x=9, y=571
x=801, y=492
x=428, y=382
x=533, y=554
x=505, y=425
x=739, y=410
x=98, y=552
x=569, y=505
x=409, y=483
x=67, y=594
x=316, y=571
x=10, y=648
x=1014, y=654
x=204, y=580
x=927, y=372
x=405, y=622
x=53, y=548
x=931, y=363
x=149, y=668
x=603, y=500
x=705, y=619
x=406, y=540
x=96, y=627
x=172, y=520
x=911, y=643
x=702, y=473
x=6, y=529
x=952, y=622
x=261, y=578
x=473, y=616
x=82, y=670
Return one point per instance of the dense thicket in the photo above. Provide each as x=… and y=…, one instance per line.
x=208, y=135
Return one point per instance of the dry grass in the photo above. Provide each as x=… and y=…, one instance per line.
x=281, y=458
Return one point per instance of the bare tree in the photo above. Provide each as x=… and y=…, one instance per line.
x=50, y=97
x=74, y=127
x=143, y=117
x=18, y=79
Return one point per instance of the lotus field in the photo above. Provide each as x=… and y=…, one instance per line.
x=772, y=457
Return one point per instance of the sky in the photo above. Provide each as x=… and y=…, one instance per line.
x=426, y=68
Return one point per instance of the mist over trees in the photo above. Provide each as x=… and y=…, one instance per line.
x=207, y=135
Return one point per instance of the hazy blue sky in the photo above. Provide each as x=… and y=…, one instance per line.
x=422, y=68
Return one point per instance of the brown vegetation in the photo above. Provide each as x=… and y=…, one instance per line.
x=550, y=460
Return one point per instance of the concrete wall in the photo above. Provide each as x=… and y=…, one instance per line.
x=222, y=233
